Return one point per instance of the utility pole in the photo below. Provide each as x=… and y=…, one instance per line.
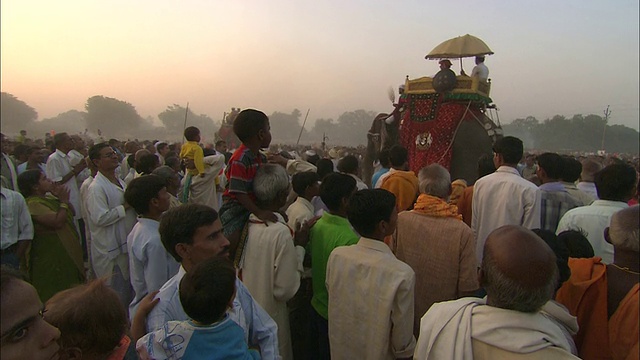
x=324, y=144
x=606, y=119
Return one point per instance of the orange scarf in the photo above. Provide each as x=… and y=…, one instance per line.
x=434, y=206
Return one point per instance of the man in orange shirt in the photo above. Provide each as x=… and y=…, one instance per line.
x=605, y=297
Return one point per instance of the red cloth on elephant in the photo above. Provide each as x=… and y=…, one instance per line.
x=435, y=122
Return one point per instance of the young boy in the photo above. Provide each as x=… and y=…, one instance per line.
x=206, y=292
x=150, y=265
x=252, y=128
x=191, y=151
x=382, y=329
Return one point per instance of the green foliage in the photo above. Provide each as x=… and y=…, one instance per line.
x=15, y=114
x=72, y=121
x=285, y=128
x=580, y=133
x=112, y=116
x=350, y=129
x=173, y=120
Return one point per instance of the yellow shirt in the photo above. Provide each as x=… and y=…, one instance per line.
x=191, y=150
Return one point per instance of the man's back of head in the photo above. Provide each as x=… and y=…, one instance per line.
x=550, y=167
x=624, y=229
x=518, y=270
x=589, y=169
x=616, y=182
x=510, y=149
x=398, y=157
x=435, y=180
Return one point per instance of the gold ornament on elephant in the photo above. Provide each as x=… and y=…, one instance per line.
x=423, y=141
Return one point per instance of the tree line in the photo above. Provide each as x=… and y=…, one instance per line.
x=120, y=119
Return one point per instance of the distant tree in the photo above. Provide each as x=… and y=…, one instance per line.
x=115, y=118
x=72, y=121
x=285, y=128
x=353, y=127
x=173, y=120
x=321, y=128
x=15, y=114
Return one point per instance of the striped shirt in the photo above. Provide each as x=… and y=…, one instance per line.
x=241, y=171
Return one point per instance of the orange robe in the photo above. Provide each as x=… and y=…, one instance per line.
x=404, y=185
x=464, y=205
x=585, y=296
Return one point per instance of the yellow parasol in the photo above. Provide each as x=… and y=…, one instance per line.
x=460, y=47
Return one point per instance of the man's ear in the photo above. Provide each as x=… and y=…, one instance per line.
x=607, y=237
x=182, y=250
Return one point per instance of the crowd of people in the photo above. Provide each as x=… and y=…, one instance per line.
x=158, y=250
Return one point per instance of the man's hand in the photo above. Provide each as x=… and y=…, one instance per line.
x=302, y=232
x=79, y=167
x=277, y=159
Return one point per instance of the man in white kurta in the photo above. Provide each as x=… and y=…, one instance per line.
x=60, y=170
x=269, y=264
x=504, y=197
x=270, y=272
x=203, y=188
x=111, y=220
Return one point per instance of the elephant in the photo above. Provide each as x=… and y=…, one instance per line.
x=451, y=132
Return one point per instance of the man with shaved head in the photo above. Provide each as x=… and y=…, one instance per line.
x=130, y=148
x=589, y=169
x=519, y=273
x=137, y=157
x=605, y=297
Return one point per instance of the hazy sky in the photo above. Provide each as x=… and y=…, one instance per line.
x=551, y=57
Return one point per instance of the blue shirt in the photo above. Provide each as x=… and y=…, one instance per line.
x=376, y=176
x=186, y=340
x=259, y=328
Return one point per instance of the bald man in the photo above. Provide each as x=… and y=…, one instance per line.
x=605, y=297
x=134, y=174
x=519, y=273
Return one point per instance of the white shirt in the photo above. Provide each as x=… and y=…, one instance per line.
x=270, y=271
x=503, y=198
x=8, y=164
x=371, y=302
x=259, y=329
x=110, y=224
x=481, y=71
x=592, y=220
x=150, y=265
x=83, y=200
x=59, y=165
x=589, y=188
x=299, y=212
x=203, y=188
x=16, y=219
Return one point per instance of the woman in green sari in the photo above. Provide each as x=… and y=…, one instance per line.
x=55, y=260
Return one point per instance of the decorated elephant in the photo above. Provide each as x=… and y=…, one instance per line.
x=451, y=129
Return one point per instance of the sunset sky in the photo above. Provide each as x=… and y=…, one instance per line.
x=551, y=57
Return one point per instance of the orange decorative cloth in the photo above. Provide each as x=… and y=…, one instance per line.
x=585, y=296
x=434, y=206
x=404, y=185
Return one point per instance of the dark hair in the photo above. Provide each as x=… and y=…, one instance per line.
x=577, y=243
x=22, y=149
x=112, y=141
x=207, y=289
x=398, y=155
x=552, y=164
x=179, y=224
x=27, y=180
x=336, y=187
x=191, y=133
x=94, y=151
x=208, y=152
x=511, y=149
x=58, y=138
x=131, y=160
x=220, y=142
x=485, y=165
x=302, y=180
x=348, y=164
x=141, y=190
x=171, y=161
x=147, y=164
x=615, y=182
x=368, y=207
x=560, y=250
x=324, y=167
x=161, y=145
x=248, y=123
x=383, y=157
x=572, y=169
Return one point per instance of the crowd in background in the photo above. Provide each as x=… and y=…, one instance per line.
x=289, y=253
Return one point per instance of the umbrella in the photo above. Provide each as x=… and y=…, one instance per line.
x=459, y=47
